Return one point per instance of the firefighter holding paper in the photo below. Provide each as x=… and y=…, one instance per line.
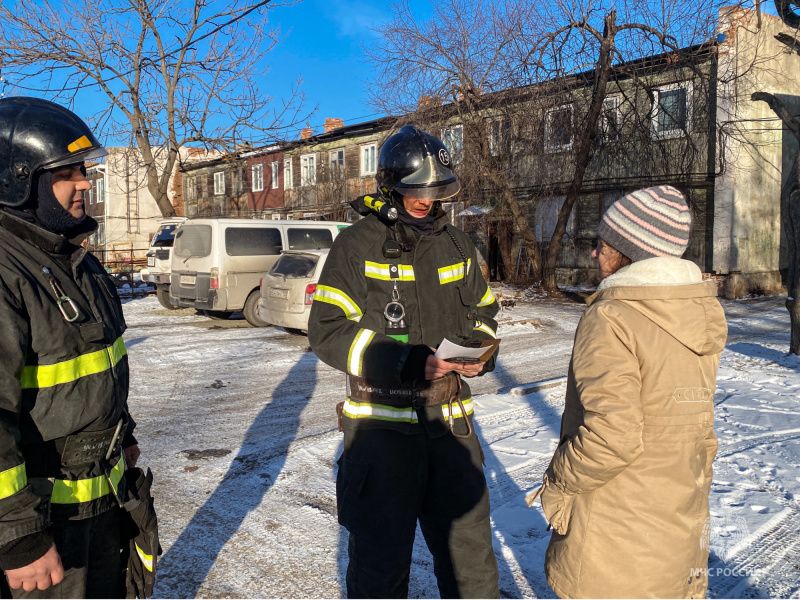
x=395, y=285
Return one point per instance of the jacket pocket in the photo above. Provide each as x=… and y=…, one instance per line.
x=349, y=484
x=557, y=507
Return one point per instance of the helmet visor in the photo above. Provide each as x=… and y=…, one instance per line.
x=76, y=157
x=432, y=181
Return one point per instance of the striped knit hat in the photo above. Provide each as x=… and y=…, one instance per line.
x=651, y=222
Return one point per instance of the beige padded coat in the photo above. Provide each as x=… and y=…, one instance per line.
x=627, y=489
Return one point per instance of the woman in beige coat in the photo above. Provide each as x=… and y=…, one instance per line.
x=627, y=489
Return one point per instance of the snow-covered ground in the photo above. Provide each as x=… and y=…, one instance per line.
x=239, y=428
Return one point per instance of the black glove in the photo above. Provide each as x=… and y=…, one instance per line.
x=139, y=534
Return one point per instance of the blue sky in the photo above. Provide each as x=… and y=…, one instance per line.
x=323, y=45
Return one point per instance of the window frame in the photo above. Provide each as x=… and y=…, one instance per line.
x=219, y=183
x=672, y=133
x=288, y=182
x=603, y=136
x=549, y=147
x=334, y=164
x=257, y=178
x=456, y=155
x=365, y=171
x=304, y=180
x=500, y=140
x=275, y=178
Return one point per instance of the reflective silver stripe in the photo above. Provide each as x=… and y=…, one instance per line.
x=380, y=271
x=338, y=298
x=453, y=273
x=381, y=412
x=480, y=326
x=488, y=297
x=356, y=355
x=147, y=559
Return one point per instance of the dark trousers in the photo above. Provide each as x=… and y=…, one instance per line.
x=90, y=554
x=387, y=481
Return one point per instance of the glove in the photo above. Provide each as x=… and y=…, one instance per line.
x=139, y=534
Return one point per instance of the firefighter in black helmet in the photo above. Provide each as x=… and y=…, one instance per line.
x=394, y=286
x=65, y=431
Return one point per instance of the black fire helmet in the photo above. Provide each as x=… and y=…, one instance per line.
x=37, y=134
x=416, y=165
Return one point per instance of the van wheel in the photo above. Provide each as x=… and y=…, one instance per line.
x=219, y=315
x=162, y=293
x=250, y=310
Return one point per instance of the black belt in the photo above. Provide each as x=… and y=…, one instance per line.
x=416, y=394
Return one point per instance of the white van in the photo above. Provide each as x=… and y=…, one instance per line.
x=217, y=264
x=159, y=256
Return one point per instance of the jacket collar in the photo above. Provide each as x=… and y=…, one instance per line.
x=47, y=241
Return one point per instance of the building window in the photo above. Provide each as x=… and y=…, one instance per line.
x=308, y=170
x=337, y=162
x=368, y=159
x=192, y=188
x=257, y=175
x=453, y=139
x=546, y=218
x=275, y=175
x=558, y=129
x=287, y=174
x=90, y=194
x=672, y=110
x=101, y=190
x=219, y=183
x=500, y=137
x=610, y=121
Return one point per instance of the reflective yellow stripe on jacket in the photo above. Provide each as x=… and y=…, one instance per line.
x=13, y=480
x=380, y=271
x=453, y=273
x=488, y=297
x=43, y=376
x=67, y=491
x=355, y=357
x=479, y=326
x=381, y=412
x=338, y=298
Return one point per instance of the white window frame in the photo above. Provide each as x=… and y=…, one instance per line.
x=308, y=176
x=548, y=125
x=614, y=102
x=219, y=183
x=673, y=133
x=274, y=174
x=89, y=195
x=369, y=159
x=496, y=142
x=257, y=178
x=288, y=183
x=456, y=154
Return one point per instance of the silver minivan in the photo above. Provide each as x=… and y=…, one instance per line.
x=159, y=258
x=217, y=263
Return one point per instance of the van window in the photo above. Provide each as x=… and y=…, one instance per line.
x=309, y=239
x=164, y=237
x=252, y=241
x=295, y=266
x=193, y=240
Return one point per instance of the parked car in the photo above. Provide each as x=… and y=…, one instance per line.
x=158, y=259
x=287, y=291
x=217, y=263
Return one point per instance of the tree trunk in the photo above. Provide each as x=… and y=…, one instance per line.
x=583, y=146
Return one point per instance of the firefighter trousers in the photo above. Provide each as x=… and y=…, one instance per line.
x=388, y=480
x=90, y=551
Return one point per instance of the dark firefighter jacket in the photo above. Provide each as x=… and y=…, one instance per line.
x=442, y=289
x=57, y=378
